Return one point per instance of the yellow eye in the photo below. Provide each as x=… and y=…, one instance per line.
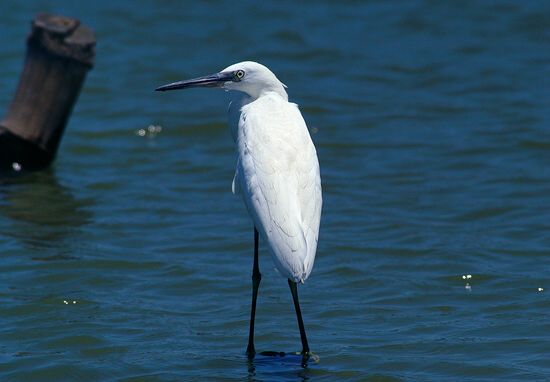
x=239, y=74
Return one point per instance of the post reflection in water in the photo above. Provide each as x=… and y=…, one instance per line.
x=41, y=212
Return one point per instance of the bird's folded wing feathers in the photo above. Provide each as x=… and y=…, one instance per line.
x=235, y=185
x=279, y=174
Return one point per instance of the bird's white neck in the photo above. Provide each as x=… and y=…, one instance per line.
x=275, y=87
x=250, y=93
x=240, y=99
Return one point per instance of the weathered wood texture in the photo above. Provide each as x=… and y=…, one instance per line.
x=60, y=52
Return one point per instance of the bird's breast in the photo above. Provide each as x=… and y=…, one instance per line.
x=273, y=132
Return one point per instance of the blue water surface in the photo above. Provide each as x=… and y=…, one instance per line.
x=130, y=260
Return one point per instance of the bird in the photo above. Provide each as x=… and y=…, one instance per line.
x=277, y=174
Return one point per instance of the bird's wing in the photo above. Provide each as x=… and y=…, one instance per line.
x=310, y=200
x=278, y=173
x=235, y=185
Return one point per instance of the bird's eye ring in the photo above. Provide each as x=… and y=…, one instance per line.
x=239, y=74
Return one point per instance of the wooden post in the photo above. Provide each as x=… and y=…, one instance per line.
x=60, y=51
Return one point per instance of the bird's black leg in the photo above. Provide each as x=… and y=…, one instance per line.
x=256, y=278
x=294, y=291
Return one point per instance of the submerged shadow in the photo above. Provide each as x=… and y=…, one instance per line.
x=281, y=366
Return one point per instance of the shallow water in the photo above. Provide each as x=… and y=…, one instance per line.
x=130, y=259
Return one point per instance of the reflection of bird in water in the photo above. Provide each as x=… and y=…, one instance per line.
x=277, y=173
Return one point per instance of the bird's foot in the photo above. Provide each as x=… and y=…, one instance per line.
x=308, y=357
x=304, y=358
x=273, y=353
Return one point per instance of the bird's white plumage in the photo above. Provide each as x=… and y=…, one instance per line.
x=277, y=169
x=277, y=174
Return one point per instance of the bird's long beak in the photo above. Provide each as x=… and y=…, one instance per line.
x=212, y=80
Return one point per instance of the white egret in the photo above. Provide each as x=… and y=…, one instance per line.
x=277, y=174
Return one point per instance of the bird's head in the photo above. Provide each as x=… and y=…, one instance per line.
x=247, y=77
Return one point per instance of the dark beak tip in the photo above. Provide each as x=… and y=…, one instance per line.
x=164, y=88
